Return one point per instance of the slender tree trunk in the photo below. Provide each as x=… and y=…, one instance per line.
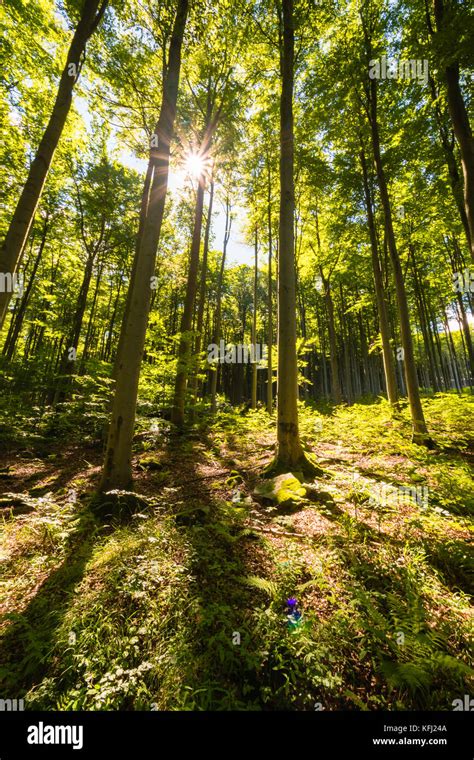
x=429, y=350
x=439, y=348
x=108, y=344
x=322, y=342
x=388, y=363
x=117, y=472
x=335, y=379
x=89, y=330
x=270, y=298
x=420, y=432
x=460, y=121
x=454, y=359
x=347, y=343
x=10, y=343
x=455, y=260
x=254, y=328
x=447, y=142
x=72, y=342
x=185, y=343
x=217, y=318
x=17, y=303
x=365, y=379
x=17, y=234
x=202, y=294
x=131, y=288
x=186, y=339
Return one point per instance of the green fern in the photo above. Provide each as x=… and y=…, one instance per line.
x=409, y=676
x=262, y=584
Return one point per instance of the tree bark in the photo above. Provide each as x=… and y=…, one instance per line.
x=333, y=360
x=447, y=142
x=117, y=471
x=290, y=452
x=254, y=328
x=270, y=295
x=14, y=332
x=217, y=318
x=185, y=342
x=186, y=339
x=460, y=121
x=420, y=432
x=388, y=363
x=202, y=292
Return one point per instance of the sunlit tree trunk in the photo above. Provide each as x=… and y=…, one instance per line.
x=254, y=328
x=290, y=452
x=17, y=234
x=202, y=293
x=141, y=226
x=270, y=296
x=117, y=472
x=185, y=342
x=455, y=258
x=186, y=338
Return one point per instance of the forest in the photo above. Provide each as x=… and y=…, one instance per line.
x=236, y=355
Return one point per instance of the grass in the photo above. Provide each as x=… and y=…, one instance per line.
x=182, y=606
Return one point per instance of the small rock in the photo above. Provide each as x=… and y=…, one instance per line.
x=284, y=490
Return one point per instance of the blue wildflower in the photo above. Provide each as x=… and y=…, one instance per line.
x=294, y=615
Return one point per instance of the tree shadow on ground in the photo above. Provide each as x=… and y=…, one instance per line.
x=27, y=643
x=225, y=662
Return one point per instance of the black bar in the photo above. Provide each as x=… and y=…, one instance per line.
x=318, y=735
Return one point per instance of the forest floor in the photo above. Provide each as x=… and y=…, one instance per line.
x=182, y=604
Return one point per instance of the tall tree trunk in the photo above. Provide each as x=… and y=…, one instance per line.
x=335, y=378
x=460, y=121
x=117, y=472
x=428, y=343
x=10, y=343
x=72, y=342
x=452, y=349
x=447, y=142
x=217, y=318
x=270, y=296
x=202, y=294
x=420, y=432
x=345, y=332
x=432, y=320
x=455, y=261
x=186, y=339
x=365, y=379
x=254, y=328
x=185, y=342
x=322, y=343
x=388, y=363
x=15, y=239
x=110, y=332
x=89, y=330
x=290, y=452
x=145, y=199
